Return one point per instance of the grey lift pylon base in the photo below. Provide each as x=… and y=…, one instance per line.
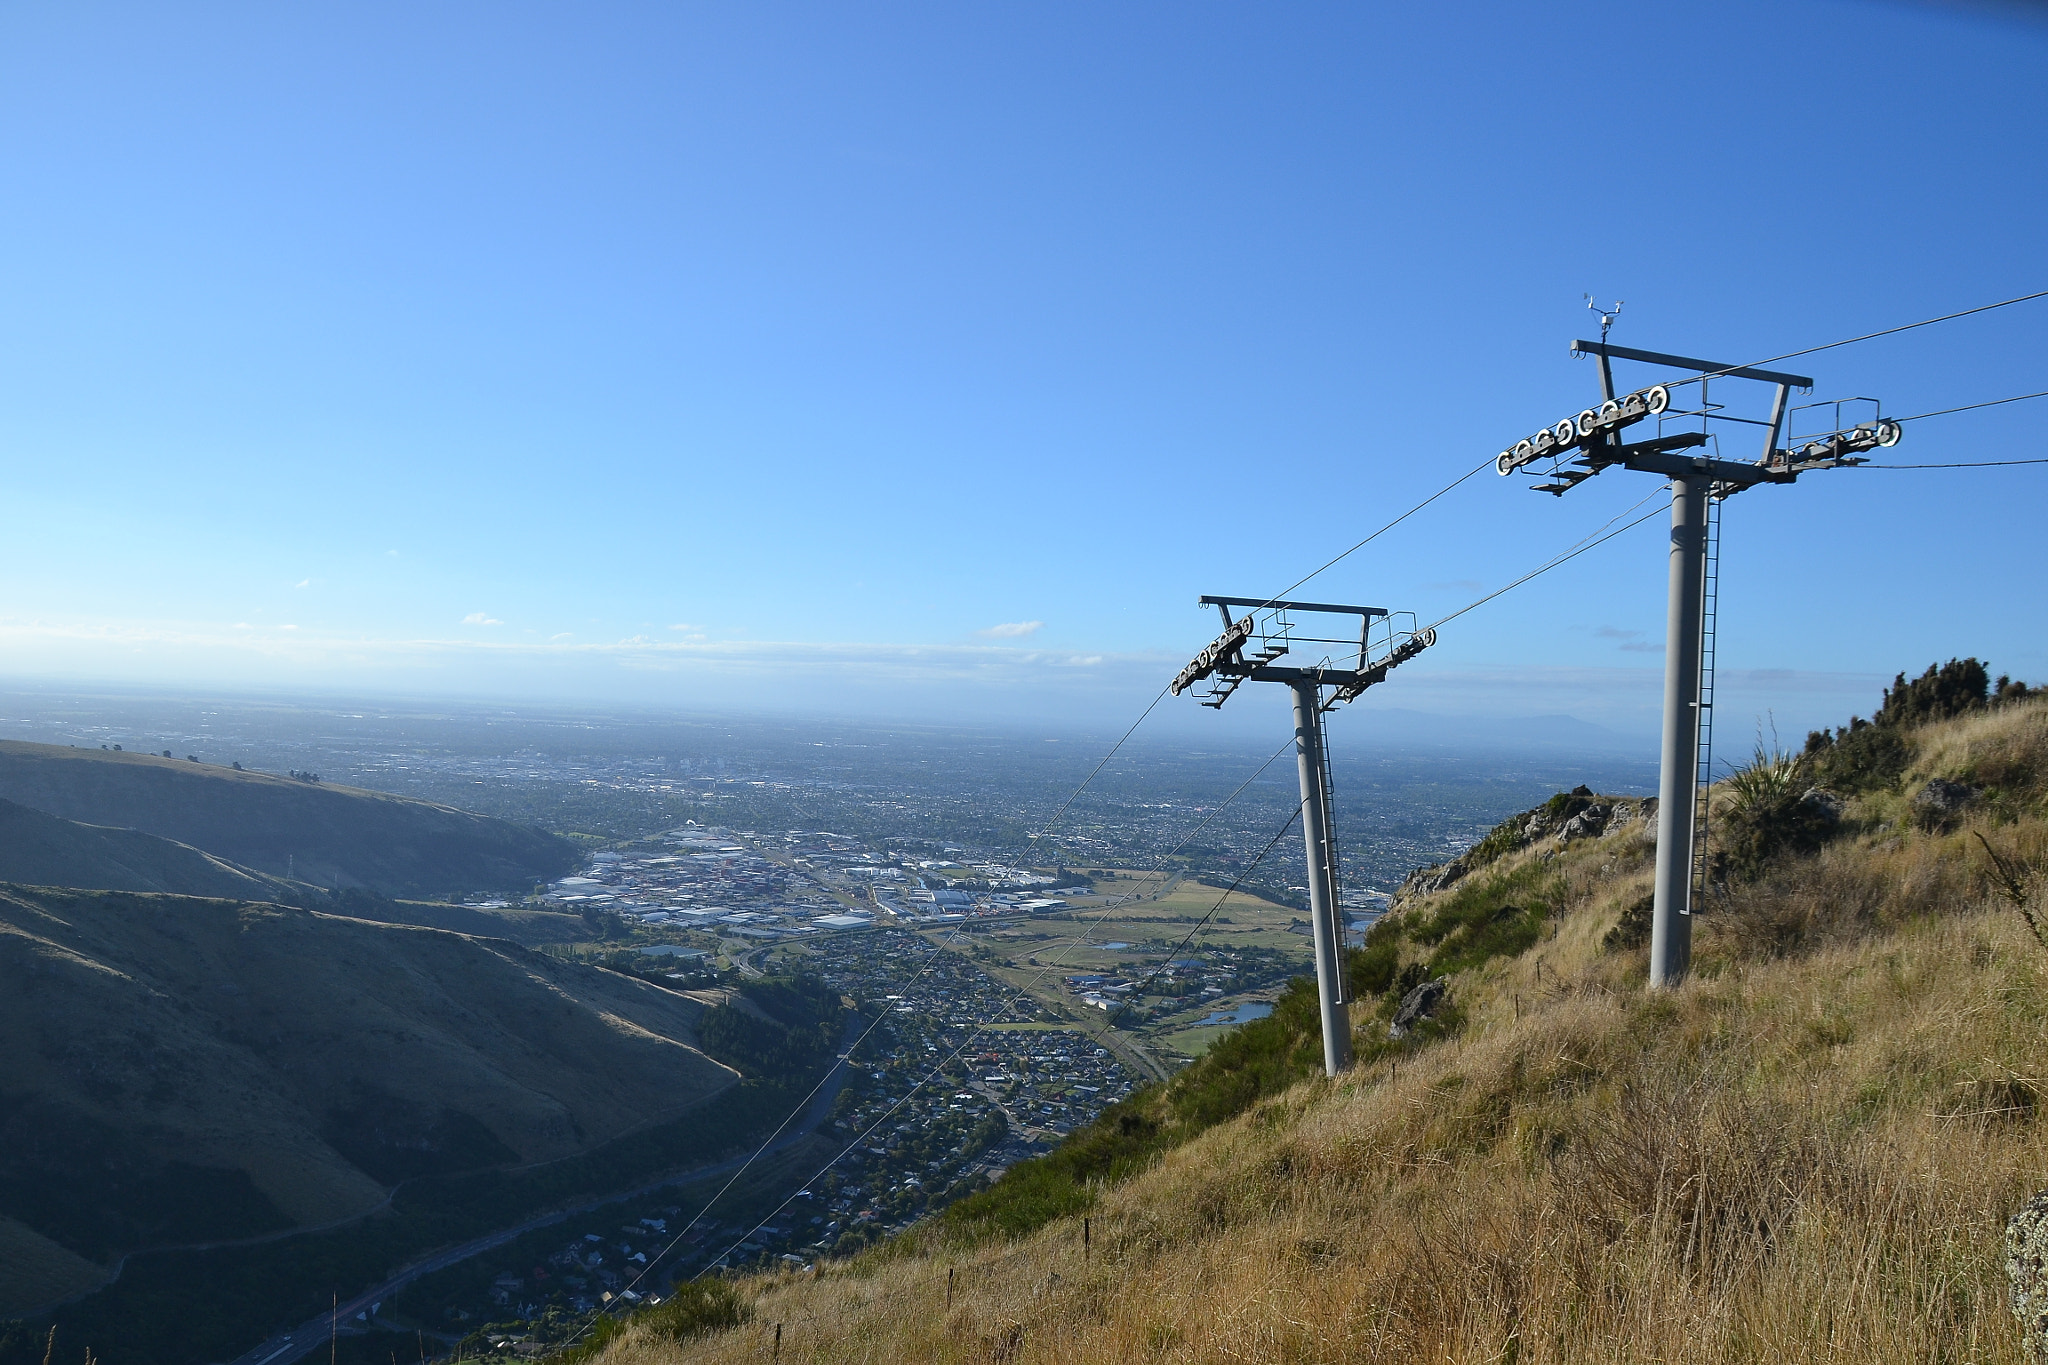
x=1322, y=887
x=1671, y=912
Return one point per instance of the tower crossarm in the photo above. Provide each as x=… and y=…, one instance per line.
x=1674, y=463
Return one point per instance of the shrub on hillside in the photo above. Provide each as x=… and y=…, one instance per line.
x=1371, y=969
x=1632, y=929
x=1771, y=810
x=1859, y=757
x=800, y=1035
x=1871, y=755
x=1485, y=918
x=1943, y=691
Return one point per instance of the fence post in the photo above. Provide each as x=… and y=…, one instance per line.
x=950, y=1272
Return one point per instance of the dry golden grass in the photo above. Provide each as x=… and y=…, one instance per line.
x=1806, y=1153
x=2006, y=749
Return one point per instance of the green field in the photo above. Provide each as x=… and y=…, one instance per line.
x=1155, y=920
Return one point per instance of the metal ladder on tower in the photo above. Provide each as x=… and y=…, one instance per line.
x=1703, y=739
x=1336, y=867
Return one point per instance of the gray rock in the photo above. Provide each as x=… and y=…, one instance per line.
x=2026, y=1266
x=1417, y=1006
x=1942, y=799
x=1424, y=880
x=1587, y=824
x=1821, y=805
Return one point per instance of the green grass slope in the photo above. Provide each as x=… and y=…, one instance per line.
x=183, y=1071
x=313, y=832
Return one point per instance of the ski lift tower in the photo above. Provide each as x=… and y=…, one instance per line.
x=1576, y=449
x=1247, y=651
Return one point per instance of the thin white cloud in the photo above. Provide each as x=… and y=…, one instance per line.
x=477, y=618
x=1012, y=630
x=303, y=583
x=1631, y=641
x=685, y=625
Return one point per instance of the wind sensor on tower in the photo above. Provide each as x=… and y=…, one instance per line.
x=1576, y=449
x=1248, y=650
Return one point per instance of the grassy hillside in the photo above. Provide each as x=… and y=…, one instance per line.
x=184, y=1071
x=279, y=826
x=527, y=928
x=38, y=849
x=1806, y=1152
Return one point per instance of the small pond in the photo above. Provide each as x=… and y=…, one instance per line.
x=1243, y=1014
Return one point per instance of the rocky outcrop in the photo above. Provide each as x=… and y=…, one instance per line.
x=1565, y=818
x=1941, y=801
x=1424, y=881
x=1820, y=805
x=1418, y=1005
x=2026, y=1266
x=1589, y=823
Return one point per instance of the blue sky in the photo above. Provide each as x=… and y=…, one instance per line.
x=930, y=360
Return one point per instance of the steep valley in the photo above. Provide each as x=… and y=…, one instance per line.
x=186, y=1071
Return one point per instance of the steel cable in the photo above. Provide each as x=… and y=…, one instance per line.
x=1867, y=336
x=1568, y=555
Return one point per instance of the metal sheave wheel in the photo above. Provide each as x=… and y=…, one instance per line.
x=1565, y=432
x=1587, y=421
x=1428, y=637
x=1609, y=411
x=1889, y=432
x=1505, y=463
x=1657, y=399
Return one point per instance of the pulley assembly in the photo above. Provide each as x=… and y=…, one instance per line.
x=1593, y=424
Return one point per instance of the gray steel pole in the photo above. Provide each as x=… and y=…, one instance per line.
x=1315, y=832
x=1671, y=917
